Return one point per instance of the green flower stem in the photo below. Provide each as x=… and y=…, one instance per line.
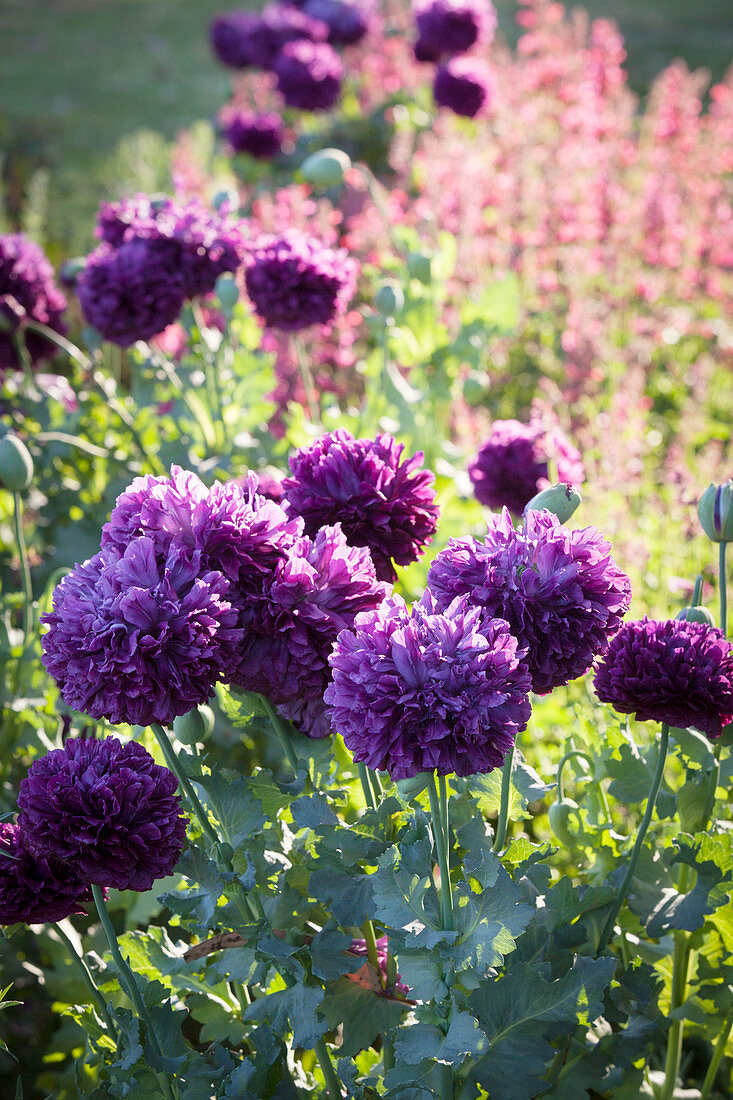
x=375, y=194
x=21, y=350
x=25, y=571
x=329, y=1073
x=88, y=980
x=443, y=791
x=282, y=733
x=211, y=373
x=680, y=966
x=366, y=786
x=127, y=977
x=506, y=786
x=387, y=1055
x=710, y=797
x=306, y=375
x=636, y=852
x=442, y=834
x=371, y=945
x=190, y=398
x=723, y=583
x=718, y=1053
x=252, y=906
x=184, y=782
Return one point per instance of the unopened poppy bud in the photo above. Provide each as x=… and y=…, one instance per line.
x=420, y=266
x=696, y=615
x=562, y=500
x=389, y=299
x=715, y=510
x=194, y=726
x=16, y=464
x=227, y=291
x=326, y=168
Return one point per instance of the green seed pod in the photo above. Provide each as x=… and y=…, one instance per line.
x=420, y=266
x=565, y=821
x=715, y=510
x=227, y=292
x=16, y=464
x=562, y=500
x=194, y=726
x=326, y=168
x=696, y=615
x=389, y=299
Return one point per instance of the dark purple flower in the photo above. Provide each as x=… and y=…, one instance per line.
x=309, y=75
x=347, y=23
x=33, y=889
x=448, y=27
x=399, y=989
x=270, y=484
x=106, y=809
x=139, y=637
x=380, y=501
x=422, y=690
x=512, y=465
x=462, y=85
x=133, y=292
x=318, y=590
x=203, y=244
x=245, y=40
x=676, y=672
x=294, y=281
x=27, y=291
x=259, y=135
x=560, y=591
x=231, y=527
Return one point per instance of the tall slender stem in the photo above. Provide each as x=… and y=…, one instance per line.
x=185, y=783
x=127, y=977
x=718, y=1053
x=366, y=786
x=329, y=1073
x=306, y=375
x=283, y=736
x=723, y=583
x=506, y=786
x=441, y=831
x=371, y=945
x=189, y=397
x=87, y=978
x=636, y=852
x=210, y=366
x=25, y=571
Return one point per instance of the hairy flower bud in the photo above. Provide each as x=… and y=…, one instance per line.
x=16, y=464
x=326, y=168
x=389, y=299
x=696, y=615
x=715, y=510
x=194, y=726
x=562, y=500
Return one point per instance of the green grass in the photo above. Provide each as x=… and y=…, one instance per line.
x=79, y=75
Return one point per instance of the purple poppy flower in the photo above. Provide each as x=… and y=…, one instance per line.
x=27, y=291
x=560, y=591
x=140, y=638
x=259, y=135
x=381, y=501
x=246, y=40
x=676, y=672
x=422, y=690
x=513, y=464
x=309, y=75
x=106, y=809
x=448, y=27
x=347, y=23
x=33, y=889
x=462, y=85
x=294, y=281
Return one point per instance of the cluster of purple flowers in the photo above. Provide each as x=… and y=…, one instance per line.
x=195, y=585
x=380, y=500
x=447, y=28
x=296, y=42
x=294, y=281
x=513, y=464
x=676, y=672
x=28, y=291
x=96, y=812
x=155, y=254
